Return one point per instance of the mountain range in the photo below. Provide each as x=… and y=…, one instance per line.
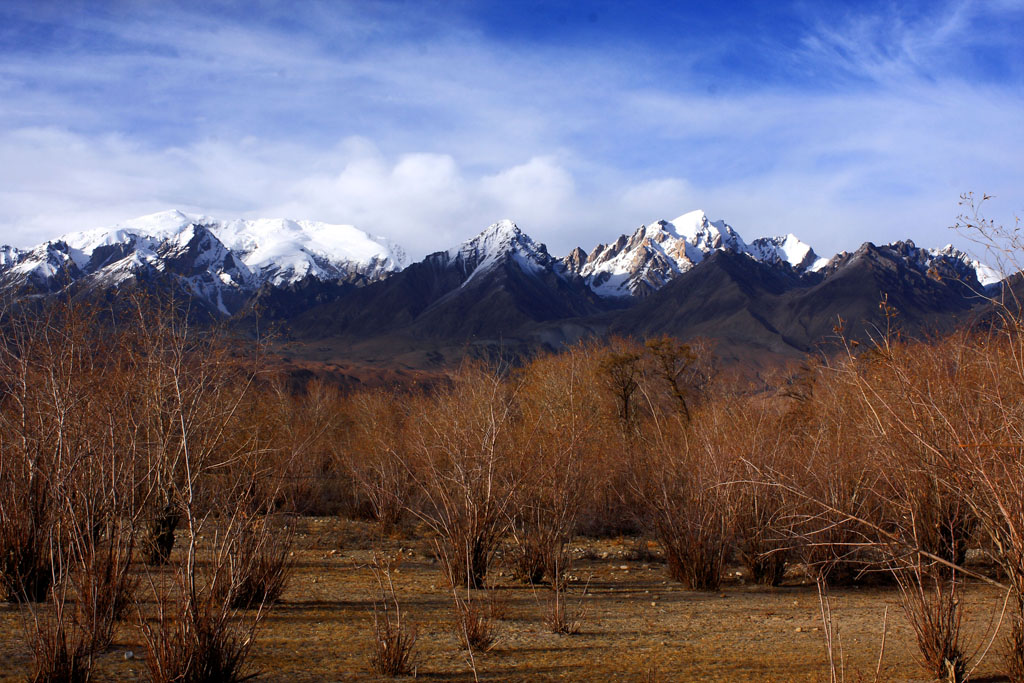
x=339, y=292
x=220, y=264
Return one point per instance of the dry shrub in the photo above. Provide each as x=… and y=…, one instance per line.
x=379, y=453
x=932, y=604
x=761, y=530
x=102, y=516
x=195, y=642
x=25, y=564
x=475, y=611
x=394, y=640
x=564, y=617
x=620, y=371
x=1014, y=658
x=754, y=446
x=612, y=408
x=926, y=513
x=680, y=474
x=976, y=445
x=530, y=557
x=680, y=375
x=192, y=389
x=886, y=488
x=207, y=616
x=159, y=533
x=464, y=470
x=307, y=431
x=47, y=366
x=393, y=647
x=67, y=634
x=57, y=654
x=259, y=565
x=208, y=465
x=834, y=480
x=684, y=484
x=559, y=428
x=118, y=426
x=836, y=656
x=475, y=622
x=87, y=601
x=67, y=508
x=103, y=584
x=947, y=425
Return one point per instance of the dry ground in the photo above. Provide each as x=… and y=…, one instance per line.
x=638, y=625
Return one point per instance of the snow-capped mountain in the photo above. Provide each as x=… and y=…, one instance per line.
x=498, y=280
x=496, y=243
x=639, y=264
x=655, y=254
x=946, y=263
x=786, y=249
x=500, y=294
x=323, y=279
x=220, y=262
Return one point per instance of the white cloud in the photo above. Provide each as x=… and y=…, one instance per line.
x=428, y=140
x=537, y=192
x=66, y=182
x=54, y=181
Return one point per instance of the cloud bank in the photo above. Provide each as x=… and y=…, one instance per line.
x=427, y=126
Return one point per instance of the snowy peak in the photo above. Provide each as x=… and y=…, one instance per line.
x=657, y=253
x=225, y=263
x=283, y=251
x=277, y=250
x=786, y=249
x=195, y=251
x=499, y=243
x=204, y=254
x=635, y=265
x=987, y=275
x=945, y=264
x=707, y=236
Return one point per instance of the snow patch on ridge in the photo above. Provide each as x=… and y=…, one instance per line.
x=494, y=244
x=658, y=252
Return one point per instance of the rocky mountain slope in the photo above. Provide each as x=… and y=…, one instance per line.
x=340, y=293
x=639, y=264
x=501, y=293
x=753, y=309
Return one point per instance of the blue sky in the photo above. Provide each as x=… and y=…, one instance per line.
x=427, y=121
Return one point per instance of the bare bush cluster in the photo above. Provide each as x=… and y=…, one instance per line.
x=121, y=428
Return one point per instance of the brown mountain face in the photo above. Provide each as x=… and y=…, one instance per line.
x=436, y=312
x=501, y=295
x=755, y=309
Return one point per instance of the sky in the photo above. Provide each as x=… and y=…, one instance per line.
x=427, y=121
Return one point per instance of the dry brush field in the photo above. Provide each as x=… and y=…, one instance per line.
x=620, y=509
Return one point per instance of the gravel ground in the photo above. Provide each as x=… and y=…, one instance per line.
x=636, y=624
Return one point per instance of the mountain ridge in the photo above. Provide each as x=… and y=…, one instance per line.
x=500, y=290
x=214, y=261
